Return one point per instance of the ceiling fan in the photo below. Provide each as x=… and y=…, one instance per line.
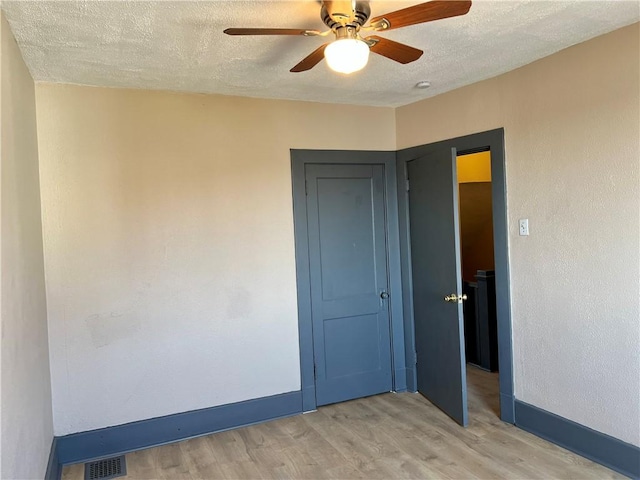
x=346, y=19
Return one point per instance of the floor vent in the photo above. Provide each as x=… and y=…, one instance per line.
x=105, y=469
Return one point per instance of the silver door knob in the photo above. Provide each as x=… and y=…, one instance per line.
x=384, y=295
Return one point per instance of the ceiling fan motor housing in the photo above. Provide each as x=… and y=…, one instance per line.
x=339, y=15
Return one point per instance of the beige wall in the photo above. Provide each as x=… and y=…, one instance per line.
x=27, y=428
x=169, y=245
x=572, y=138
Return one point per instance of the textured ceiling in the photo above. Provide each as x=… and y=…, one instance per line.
x=179, y=46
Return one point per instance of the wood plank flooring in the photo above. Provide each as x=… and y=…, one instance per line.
x=381, y=437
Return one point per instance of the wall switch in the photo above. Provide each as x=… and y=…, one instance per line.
x=524, y=226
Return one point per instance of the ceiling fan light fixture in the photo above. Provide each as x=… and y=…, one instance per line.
x=347, y=55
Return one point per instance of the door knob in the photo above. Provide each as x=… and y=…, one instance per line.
x=384, y=295
x=455, y=298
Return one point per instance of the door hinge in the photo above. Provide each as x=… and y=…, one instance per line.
x=315, y=376
x=306, y=190
x=407, y=184
x=415, y=357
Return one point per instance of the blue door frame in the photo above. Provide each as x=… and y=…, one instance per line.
x=399, y=258
x=299, y=159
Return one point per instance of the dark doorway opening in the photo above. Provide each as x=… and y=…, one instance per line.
x=478, y=281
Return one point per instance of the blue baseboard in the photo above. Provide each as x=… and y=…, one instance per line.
x=120, y=439
x=54, y=467
x=608, y=451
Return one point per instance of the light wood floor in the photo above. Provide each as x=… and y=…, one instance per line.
x=381, y=437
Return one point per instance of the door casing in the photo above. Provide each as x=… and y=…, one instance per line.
x=492, y=140
x=399, y=258
x=299, y=159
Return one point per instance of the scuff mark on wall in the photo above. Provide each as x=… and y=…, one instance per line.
x=111, y=327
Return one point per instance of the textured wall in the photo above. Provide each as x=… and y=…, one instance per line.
x=27, y=428
x=169, y=245
x=572, y=143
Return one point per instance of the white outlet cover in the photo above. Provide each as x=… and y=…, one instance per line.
x=524, y=226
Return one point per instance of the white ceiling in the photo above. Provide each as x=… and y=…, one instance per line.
x=179, y=45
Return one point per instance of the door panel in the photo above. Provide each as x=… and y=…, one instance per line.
x=353, y=343
x=435, y=264
x=348, y=270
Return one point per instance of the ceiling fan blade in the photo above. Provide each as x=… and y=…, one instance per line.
x=399, y=52
x=424, y=12
x=311, y=60
x=270, y=31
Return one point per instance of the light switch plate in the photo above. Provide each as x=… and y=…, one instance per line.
x=524, y=226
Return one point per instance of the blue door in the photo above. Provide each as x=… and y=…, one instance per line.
x=437, y=282
x=348, y=270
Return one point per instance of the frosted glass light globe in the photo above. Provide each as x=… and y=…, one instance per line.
x=347, y=55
